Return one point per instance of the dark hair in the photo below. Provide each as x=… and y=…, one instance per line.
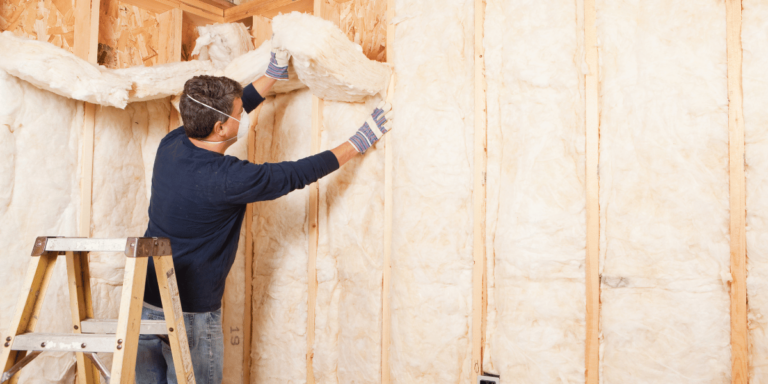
x=217, y=92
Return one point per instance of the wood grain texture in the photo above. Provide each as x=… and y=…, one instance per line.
x=129, y=35
x=174, y=319
x=129, y=321
x=739, y=331
x=169, y=44
x=363, y=21
x=77, y=284
x=51, y=21
x=593, y=204
x=314, y=201
x=267, y=8
x=28, y=307
x=479, y=294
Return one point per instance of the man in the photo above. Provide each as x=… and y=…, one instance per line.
x=199, y=196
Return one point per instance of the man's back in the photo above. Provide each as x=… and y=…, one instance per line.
x=190, y=205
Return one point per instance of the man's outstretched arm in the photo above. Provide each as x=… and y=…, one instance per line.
x=247, y=182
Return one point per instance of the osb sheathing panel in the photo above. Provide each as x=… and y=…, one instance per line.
x=364, y=22
x=188, y=37
x=46, y=20
x=128, y=35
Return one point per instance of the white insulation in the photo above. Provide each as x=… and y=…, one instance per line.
x=39, y=196
x=334, y=68
x=536, y=196
x=280, y=238
x=350, y=255
x=432, y=141
x=61, y=72
x=664, y=214
x=755, y=82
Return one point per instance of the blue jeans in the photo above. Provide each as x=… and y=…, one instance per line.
x=154, y=362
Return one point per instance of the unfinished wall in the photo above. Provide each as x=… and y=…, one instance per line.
x=349, y=257
x=536, y=199
x=39, y=196
x=432, y=218
x=280, y=242
x=664, y=192
x=43, y=20
x=755, y=80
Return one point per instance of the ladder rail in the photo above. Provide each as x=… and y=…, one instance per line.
x=118, y=336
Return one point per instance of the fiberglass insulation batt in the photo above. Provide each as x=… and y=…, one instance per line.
x=39, y=196
x=431, y=304
x=124, y=151
x=755, y=81
x=280, y=243
x=536, y=198
x=664, y=210
x=350, y=255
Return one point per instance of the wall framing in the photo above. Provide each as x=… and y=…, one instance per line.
x=173, y=12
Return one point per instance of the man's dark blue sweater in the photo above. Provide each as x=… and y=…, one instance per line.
x=198, y=201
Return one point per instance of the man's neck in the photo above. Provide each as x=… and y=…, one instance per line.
x=219, y=148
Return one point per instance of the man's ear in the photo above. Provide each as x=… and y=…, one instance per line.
x=217, y=127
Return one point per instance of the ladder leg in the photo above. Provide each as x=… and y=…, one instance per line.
x=85, y=273
x=129, y=322
x=78, y=280
x=28, y=307
x=174, y=319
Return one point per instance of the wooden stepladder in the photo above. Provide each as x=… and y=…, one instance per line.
x=119, y=336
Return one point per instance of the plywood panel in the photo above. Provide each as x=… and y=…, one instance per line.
x=364, y=22
x=45, y=20
x=128, y=35
x=188, y=37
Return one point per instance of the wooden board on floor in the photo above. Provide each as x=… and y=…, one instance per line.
x=593, y=204
x=479, y=294
x=739, y=331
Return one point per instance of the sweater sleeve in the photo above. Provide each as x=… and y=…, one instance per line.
x=248, y=182
x=251, y=98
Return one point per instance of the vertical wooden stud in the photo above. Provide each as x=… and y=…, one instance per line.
x=593, y=203
x=314, y=200
x=739, y=331
x=479, y=293
x=169, y=43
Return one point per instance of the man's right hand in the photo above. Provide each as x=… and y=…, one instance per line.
x=374, y=127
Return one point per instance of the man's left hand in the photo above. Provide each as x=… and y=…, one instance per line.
x=278, y=64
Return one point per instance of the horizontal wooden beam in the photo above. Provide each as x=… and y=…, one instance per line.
x=202, y=12
x=267, y=8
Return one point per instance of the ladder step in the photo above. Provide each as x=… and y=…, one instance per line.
x=67, y=342
x=148, y=327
